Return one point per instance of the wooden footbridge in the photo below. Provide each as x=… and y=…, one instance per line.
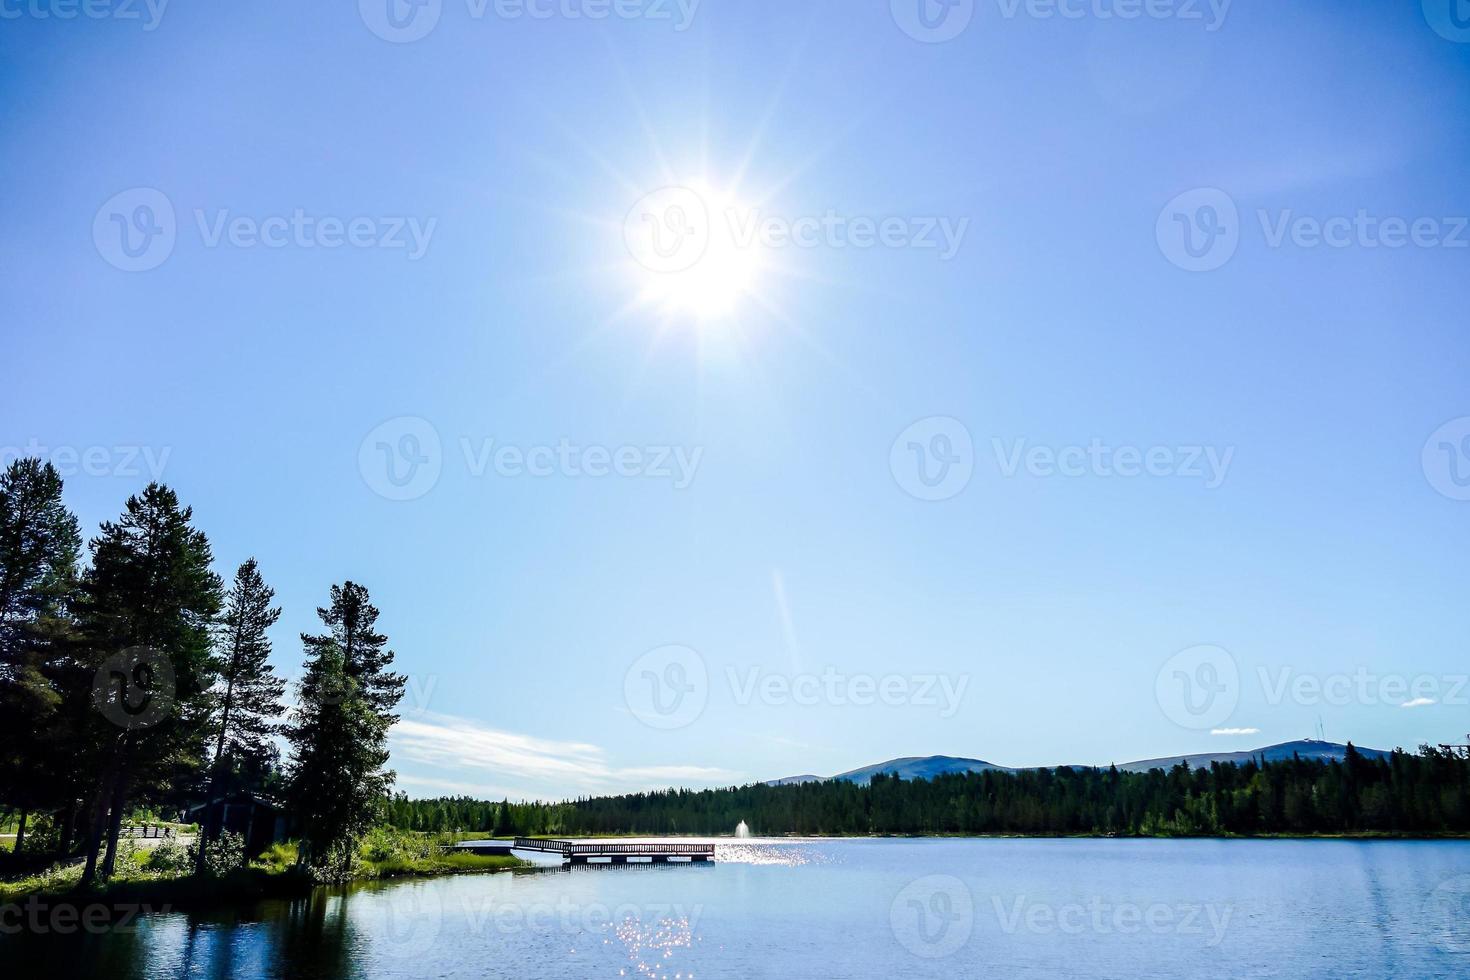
x=617, y=852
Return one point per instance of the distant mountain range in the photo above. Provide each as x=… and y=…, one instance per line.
x=929, y=766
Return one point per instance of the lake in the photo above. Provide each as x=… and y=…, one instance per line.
x=848, y=908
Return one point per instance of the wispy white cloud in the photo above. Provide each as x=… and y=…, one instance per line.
x=462, y=750
x=1235, y=731
x=1314, y=166
x=788, y=628
x=423, y=786
x=1418, y=703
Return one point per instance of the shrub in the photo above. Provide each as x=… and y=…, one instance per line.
x=170, y=857
x=278, y=857
x=222, y=855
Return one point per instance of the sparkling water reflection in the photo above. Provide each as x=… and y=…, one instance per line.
x=845, y=908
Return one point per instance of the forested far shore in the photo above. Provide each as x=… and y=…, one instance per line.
x=1406, y=794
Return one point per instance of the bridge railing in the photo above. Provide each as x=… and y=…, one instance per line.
x=568, y=848
x=641, y=849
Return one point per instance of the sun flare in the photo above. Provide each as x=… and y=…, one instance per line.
x=690, y=258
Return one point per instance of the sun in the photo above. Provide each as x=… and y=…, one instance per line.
x=694, y=251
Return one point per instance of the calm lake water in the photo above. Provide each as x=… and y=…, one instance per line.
x=849, y=908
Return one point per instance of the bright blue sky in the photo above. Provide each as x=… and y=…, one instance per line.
x=1060, y=320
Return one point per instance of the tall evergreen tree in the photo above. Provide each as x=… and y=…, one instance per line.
x=504, y=825
x=351, y=622
x=149, y=604
x=39, y=547
x=248, y=692
x=339, y=732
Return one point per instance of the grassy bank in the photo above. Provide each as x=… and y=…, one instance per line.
x=164, y=875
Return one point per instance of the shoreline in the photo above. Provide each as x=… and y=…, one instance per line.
x=1366, y=835
x=245, y=886
x=256, y=884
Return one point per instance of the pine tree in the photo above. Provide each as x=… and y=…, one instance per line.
x=339, y=732
x=148, y=608
x=504, y=825
x=39, y=546
x=248, y=693
x=352, y=620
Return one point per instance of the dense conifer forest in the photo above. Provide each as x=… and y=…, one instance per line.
x=1423, y=794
